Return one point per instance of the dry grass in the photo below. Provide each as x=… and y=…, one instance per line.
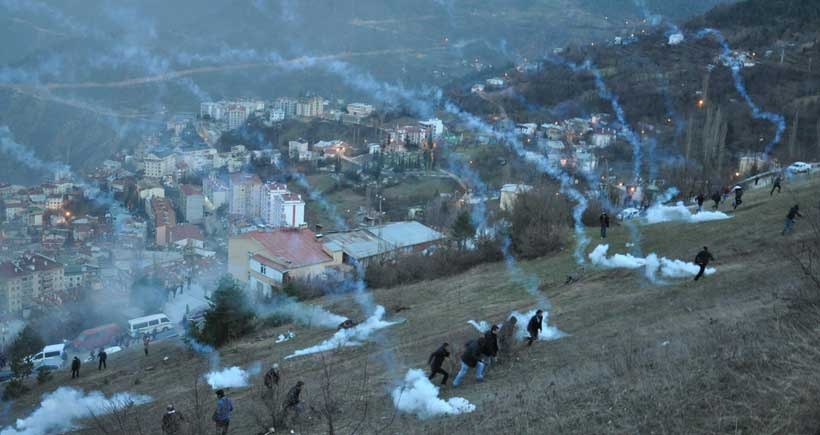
x=735, y=353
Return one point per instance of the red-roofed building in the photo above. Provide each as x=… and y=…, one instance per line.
x=29, y=279
x=265, y=261
x=163, y=217
x=186, y=235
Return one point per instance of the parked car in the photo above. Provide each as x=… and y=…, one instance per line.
x=799, y=168
x=52, y=356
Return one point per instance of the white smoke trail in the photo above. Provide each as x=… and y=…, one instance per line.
x=680, y=213
x=304, y=314
x=232, y=377
x=482, y=326
x=354, y=336
x=417, y=395
x=653, y=264
x=58, y=410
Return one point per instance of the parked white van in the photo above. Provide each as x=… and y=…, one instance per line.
x=52, y=356
x=149, y=324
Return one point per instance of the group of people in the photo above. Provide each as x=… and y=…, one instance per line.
x=495, y=345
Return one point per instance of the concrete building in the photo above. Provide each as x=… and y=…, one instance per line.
x=245, y=195
x=214, y=110
x=236, y=115
x=311, y=107
x=215, y=192
x=54, y=202
x=31, y=279
x=298, y=150
x=185, y=235
x=287, y=105
x=509, y=194
x=389, y=241
x=192, y=203
x=276, y=115
x=80, y=274
x=159, y=163
x=266, y=261
x=360, y=110
x=163, y=217
x=435, y=125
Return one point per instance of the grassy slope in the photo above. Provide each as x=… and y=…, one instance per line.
x=727, y=365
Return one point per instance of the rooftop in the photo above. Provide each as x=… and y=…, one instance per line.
x=27, y=264
x=288, y=249
x=404, y=234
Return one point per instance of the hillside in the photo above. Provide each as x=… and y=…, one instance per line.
x=734, y=353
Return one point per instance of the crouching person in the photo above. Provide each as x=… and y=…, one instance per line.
x=471, y=358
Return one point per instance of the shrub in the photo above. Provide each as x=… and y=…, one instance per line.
x=44, y=375
x=14, y=389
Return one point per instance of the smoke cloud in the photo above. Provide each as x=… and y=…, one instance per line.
x=417, y=395
x=232, y=377
x=680, y=213
x=354, y=336
x=58, y=410
x=303, y=314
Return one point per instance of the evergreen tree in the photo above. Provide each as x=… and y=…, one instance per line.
x=463, y=229
x=229, y=316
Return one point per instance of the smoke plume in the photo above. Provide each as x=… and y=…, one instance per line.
x=232, y=377
x=354, y=336
x=417, y=395
x=58, y=410
x=303, y=314
x=680, y=213
x=652, y=264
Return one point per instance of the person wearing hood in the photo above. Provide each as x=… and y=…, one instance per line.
x=222, y=415
x=436, y=360
x=738, y=196
x=716, y=199
x=776, y=185
x=172, y=421
x=791, y=219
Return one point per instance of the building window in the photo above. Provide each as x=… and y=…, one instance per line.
x=262, y=269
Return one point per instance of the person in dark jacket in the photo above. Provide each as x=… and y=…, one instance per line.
x=776, y=185
x=436, y=360
x=505, y=339
x=534, y=326
x=103, y=357
x=604, y=224
x=471, y=358
x=292, y=400
x=700, y=199
x=702, y=260
x=222, y=415
x=791, y=218
x=172, y=421
x=145, y=341
x=272, y=376
x=716, y=199
x=75, y=367
x=738, y=196
x=490, y=348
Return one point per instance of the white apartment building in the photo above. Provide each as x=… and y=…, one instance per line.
x=360, y=109
x=237, y=114
x=281, y=208
x=245, y=195
x=158, y=164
